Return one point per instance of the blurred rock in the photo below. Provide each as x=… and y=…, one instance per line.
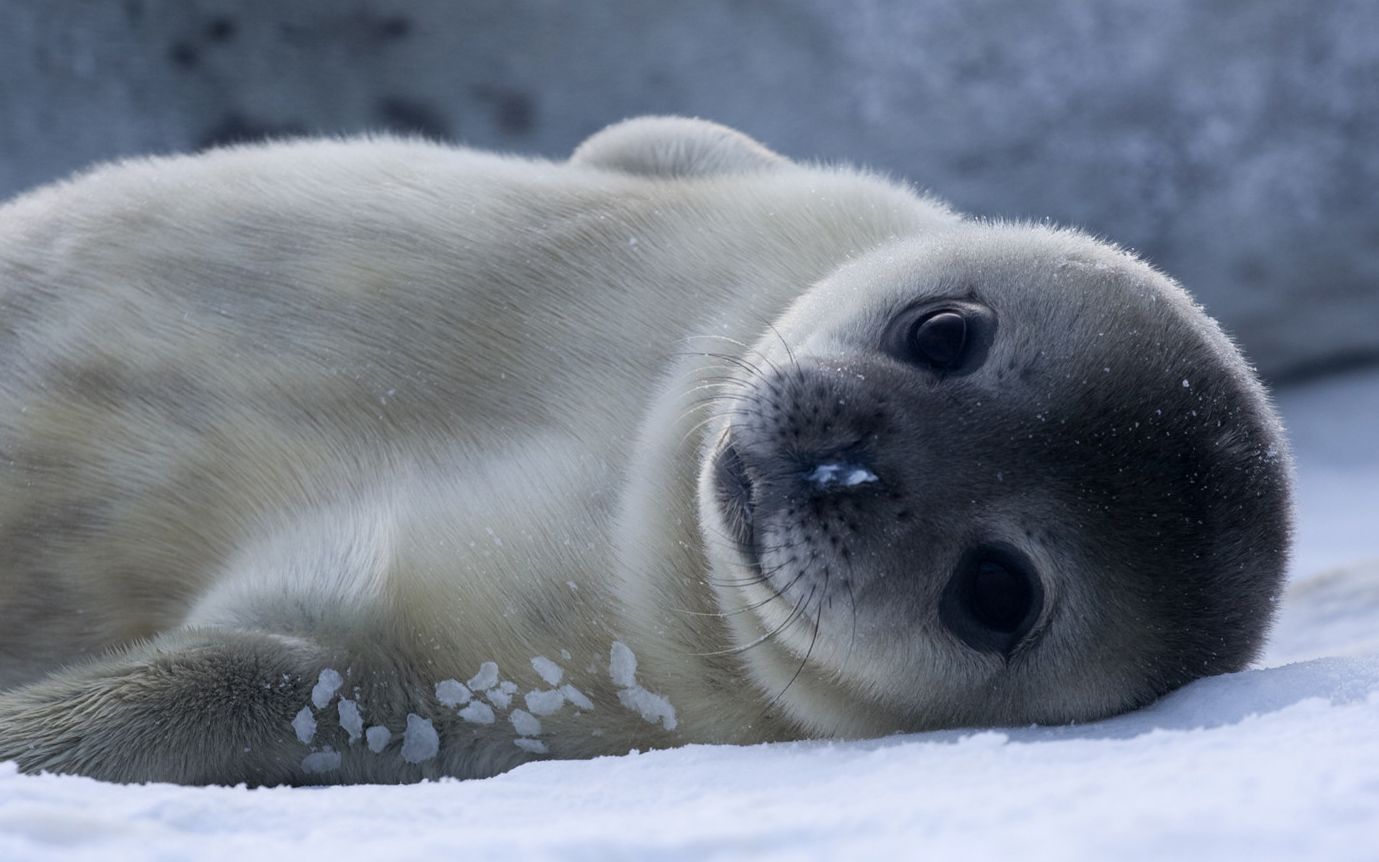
x=1233, y=143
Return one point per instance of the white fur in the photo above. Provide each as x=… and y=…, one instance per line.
x=398, y=410
x=382, y=396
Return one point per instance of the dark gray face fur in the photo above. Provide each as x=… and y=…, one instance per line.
x=1023, y=473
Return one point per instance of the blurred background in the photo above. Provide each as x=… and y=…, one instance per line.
x=1235, y=143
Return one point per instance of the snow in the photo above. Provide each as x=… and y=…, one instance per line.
x=327, y=683
x=420, y=742
x=544, y=702
x=487, y=677
x=378, y=738
x=576, y=697
x=850, y=475
x=304, y=723
x=1334, y=426
x=321, y=762
x=452, y=693
x=525, y=723
x=653, y=707
x=549, y=671
x=1277, y=762
x=1269, y=764
x=350, y=718
x=478, y=712
x=622, y=670
x=622, y=665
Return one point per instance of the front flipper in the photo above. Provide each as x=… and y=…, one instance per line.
x=675, y=147
x=194, y=706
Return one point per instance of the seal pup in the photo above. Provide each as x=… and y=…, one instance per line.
x=381, y=460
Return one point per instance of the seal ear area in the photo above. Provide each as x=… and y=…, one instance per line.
x=675, y=148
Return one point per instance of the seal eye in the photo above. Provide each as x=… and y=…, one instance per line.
x=997, y=597
x=991, y=601
x=939, y=339
x=949, y=337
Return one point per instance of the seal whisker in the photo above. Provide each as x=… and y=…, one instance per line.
x=731, y=542
x=763, y=578
x=734, y=612
x=734, y=360
x=764, y=638
x=729, y=408
x=723, y=372
x=721, y=383
x=747, y=347
x=813, y=638
x=696, y=427
x=788, y=351
x=722, y=357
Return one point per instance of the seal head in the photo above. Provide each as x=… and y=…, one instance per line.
x=1003, y=474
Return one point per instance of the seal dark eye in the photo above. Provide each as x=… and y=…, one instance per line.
x=997, y=597
x=951, y=336
x=991, y=601
x=939, y=339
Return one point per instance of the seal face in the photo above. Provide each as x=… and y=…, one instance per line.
x=382, y=460
x=1004, y=475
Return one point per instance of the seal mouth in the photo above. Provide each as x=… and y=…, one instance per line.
x=734, y=488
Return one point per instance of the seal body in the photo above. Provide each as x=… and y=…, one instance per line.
x=379, y=460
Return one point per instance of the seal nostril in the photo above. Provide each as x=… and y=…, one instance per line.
x=832, y=475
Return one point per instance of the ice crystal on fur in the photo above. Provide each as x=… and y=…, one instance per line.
x=350, y=719
x=525, y=723
x=321, y=761
x=420, y=741
x=378, y=738
x=304, y=723
x=452, y=693
x=326, y=685
x=549, y=671
x=487, y=677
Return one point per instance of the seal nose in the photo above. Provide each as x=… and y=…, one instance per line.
x=834, y=475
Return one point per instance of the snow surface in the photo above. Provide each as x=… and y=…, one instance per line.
x=1280, y=762
x=1334, y=426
